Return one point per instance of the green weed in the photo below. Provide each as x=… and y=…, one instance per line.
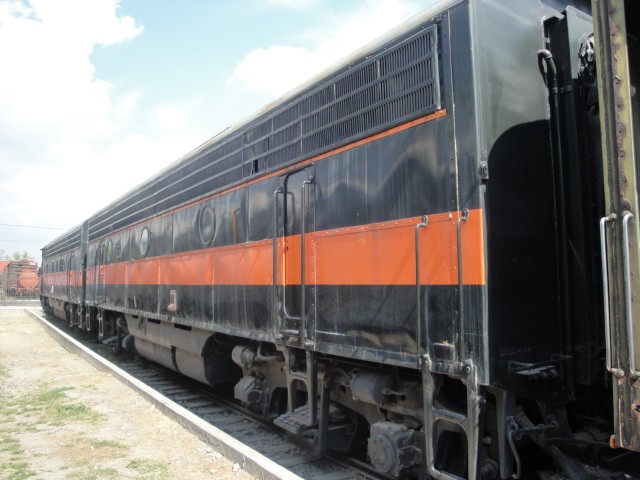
x=52, y=407
x=16, y=470
x=108, y=444
x=150, y=468
x=96, y=473
x=12, y=466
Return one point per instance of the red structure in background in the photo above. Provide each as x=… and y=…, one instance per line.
x=19, y=278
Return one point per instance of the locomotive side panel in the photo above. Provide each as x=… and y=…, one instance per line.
x=193, y=265
x=368, y=201
x=61, y=286
x=515, y=177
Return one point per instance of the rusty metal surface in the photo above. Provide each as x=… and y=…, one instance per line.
x=618, y=125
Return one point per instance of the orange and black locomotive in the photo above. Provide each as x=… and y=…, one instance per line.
x=424, y=256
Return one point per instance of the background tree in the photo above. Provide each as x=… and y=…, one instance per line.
x=24, y=255
x=17, y=256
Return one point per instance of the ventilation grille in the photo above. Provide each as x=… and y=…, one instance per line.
x=396, y=84
x=391, y=87
x=63, y=244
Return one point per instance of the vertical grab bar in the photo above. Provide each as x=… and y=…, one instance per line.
x=462, y=218
x=303, y=253
x=274, y=294
x=605, y=285
x=626, y=218
x=422, y=224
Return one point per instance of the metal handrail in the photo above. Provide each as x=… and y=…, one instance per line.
x=303, y=266
x=462, y=218
x=626, y=260
x=422, y=224
x=274, y=294
x=605, y=285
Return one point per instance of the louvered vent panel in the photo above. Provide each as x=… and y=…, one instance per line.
x=396, y=85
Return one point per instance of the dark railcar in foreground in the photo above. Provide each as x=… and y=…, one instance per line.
x=423, y=257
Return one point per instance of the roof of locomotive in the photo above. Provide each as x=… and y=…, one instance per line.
x=428, y=15
x=407, y=26
x=363, y=52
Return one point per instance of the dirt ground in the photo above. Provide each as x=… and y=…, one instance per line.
x=60, y=418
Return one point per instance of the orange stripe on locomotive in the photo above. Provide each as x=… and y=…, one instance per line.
x=374, y=254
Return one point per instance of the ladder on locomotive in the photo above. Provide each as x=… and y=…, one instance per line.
x=467, y=422
x=307, y=417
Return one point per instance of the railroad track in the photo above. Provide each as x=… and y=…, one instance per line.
x=261, y=449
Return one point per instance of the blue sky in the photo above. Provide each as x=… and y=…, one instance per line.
x=98, y=95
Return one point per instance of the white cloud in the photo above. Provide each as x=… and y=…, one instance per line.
x=48, y=88
x=54, y=112
x=277, y=69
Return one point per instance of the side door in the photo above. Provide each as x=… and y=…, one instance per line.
x=294, y=258
x=69, y=280
x=84, y=254
x=618, y=61
x=72, y=277
x=99, y=285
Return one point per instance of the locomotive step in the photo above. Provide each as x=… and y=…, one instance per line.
x=337, y=433
x=294, y=422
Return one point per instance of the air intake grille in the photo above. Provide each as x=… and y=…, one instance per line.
x=69, y=241
x=392, y=85
x=400, y=83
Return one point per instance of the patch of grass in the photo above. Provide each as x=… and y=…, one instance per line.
x=96, y=473
x=58, y=414
x=90, y=453
x=108, y=444
x=84, y=444
x=150, y=468
x=4, y=373
x=16, y=470
x=5, y=417
x=12, y=463
x=9, y=444
x=12, y=466
x=44, y=407
x=52, y=407
x=27, y=427
x=48, y=396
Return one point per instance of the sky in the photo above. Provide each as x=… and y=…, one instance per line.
x=98, y=95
